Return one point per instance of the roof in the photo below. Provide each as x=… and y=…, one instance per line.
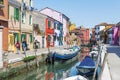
x=105, y=24
x=55, y=11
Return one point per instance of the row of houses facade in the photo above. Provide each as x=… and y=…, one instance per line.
x=20, y=21
x=107, y=33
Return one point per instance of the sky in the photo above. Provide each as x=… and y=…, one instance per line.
x=87, y=13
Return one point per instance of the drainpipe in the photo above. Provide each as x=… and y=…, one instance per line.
x=20, y=23
x=1, y=62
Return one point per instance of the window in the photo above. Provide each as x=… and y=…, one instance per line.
x=16, y=37
x=23, y=18
x=49, y=24
x=1, y=1
x=58, y=26
x=16, y=14
x=54, y=25
x=49, y=38
x=31, y=38
x=30, y=20
x=30, y=2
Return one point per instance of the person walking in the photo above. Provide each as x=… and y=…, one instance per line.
x=24, y=46
x=18, y=47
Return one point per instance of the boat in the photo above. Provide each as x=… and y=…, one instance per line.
x=77, y=77
x=66, y=54
x=86, y=67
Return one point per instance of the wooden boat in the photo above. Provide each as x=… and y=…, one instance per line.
x=77, y=77
x=86, y=67
x=66, y=54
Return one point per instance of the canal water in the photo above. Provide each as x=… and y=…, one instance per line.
x=57, y=71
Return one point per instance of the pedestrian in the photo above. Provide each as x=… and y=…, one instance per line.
x=18, y=47
x=36, y=44
x=24, y=45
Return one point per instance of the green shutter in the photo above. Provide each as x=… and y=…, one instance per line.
x=17, y=14
x=49, y=24
x=30, y=38
x=16, y=37
x=23, y=36
x=14, y=13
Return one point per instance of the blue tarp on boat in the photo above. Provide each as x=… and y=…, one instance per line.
x=87, y=63
x=86, y=67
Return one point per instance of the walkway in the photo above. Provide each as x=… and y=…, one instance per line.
x=13, y=57
x=113, y=60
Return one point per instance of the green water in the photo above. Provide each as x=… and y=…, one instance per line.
x=57, y=71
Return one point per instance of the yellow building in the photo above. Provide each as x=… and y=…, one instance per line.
x=13, y=24
x=20, y=23
x=72, y=27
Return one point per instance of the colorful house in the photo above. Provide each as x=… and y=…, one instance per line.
x=13, y=24
x=118, y=25
x=58, y=33
x=115, y=35
x=59, y=17
x=85, y=35
x=26, y=23
x=49, y=32
x=4, y=23
x=39, y=27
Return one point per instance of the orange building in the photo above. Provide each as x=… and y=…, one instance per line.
x=4, y=22
x=84, y=35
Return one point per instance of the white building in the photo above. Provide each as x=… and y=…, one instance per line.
x=98, y=29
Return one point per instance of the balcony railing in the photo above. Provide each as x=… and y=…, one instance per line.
x=2, y=4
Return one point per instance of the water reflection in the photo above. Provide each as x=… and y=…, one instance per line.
x=58, y=71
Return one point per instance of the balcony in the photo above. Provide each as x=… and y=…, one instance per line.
x=2, y=4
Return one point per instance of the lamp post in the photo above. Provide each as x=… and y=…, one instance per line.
x=1, y=62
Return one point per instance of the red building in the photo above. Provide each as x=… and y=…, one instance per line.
x=49, y=32
x=4, y=23
x=84, y=35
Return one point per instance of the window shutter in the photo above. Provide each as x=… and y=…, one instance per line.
x=30, y=38
x=14, y=13
x=49, y=24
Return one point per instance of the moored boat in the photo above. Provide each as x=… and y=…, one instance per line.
x=77, y=77
x=86, y=67
x=66, y=54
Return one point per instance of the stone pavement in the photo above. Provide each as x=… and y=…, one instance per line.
x=113, y=60
x=13, y=57
x=113, y=49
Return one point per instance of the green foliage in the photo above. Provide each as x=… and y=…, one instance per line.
x=29, y=58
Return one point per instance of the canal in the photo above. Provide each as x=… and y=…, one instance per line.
x=57, y=71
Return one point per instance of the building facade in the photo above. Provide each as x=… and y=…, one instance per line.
x=59, y=17
x=49, y=32
x=118, y=25
x=13, y=24
x=26, y=22
x=39, y=27
x=58, y=33
x=98, y=29
x=4, y=23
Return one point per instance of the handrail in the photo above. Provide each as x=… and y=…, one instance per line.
x=97, y=64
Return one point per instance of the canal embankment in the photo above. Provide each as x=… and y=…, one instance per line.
x=14, y=64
